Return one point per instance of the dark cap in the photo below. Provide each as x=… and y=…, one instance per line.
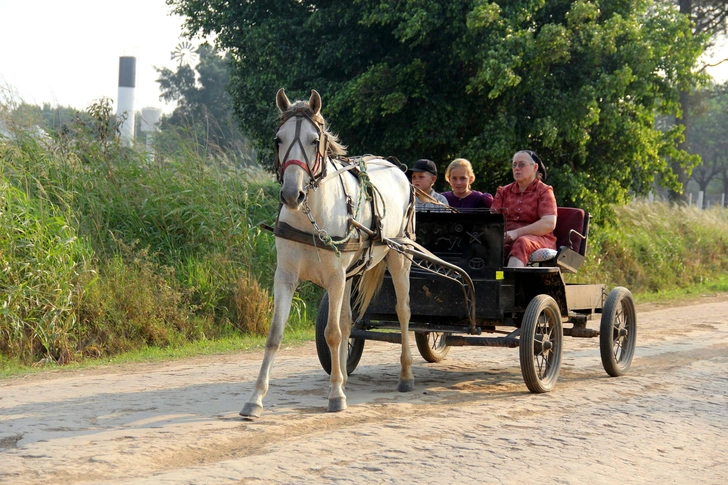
x=537, y=159
x=424, y=165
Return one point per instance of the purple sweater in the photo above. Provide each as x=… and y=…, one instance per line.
x=475, y=200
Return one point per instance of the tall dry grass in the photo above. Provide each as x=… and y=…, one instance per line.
x=104, y=250
x=657, y=247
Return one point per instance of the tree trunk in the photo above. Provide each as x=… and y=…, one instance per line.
x=686, y=7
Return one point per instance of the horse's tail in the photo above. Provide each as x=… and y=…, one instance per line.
x=369, y=284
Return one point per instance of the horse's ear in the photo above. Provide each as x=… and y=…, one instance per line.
x=282, y=100
x=314, y=102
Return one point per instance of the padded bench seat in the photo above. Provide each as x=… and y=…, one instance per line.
x=572, y=231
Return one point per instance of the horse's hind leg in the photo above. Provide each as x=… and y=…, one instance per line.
x=283, y=289
x=399, y=267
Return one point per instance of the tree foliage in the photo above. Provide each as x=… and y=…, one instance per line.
x=203, y=103
x=577, y=81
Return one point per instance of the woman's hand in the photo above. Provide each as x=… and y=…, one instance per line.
x=511, y=236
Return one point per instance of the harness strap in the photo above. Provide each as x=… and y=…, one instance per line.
x=286, y=231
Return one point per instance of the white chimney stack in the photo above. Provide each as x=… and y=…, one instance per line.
x=125, y=103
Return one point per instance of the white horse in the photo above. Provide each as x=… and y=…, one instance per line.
x=327, y=230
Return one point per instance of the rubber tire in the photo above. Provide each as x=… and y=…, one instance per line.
x=431, y=351
x=546, y=307
x=356, y=345
x=618, y=314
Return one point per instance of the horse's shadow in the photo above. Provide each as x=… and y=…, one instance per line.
x=445, y=382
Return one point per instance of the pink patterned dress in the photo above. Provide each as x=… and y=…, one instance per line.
x=522, y=209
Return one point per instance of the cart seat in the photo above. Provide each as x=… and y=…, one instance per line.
x=572, y=231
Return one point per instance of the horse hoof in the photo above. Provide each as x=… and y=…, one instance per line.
x=406, y=385
x=251, y=410
x=337, y=404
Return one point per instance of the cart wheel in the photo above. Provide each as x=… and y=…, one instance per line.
x=540, y=344
x=432, y=345
x=356, y=345
x=618, y=332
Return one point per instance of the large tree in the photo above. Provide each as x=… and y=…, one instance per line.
x=577, y=81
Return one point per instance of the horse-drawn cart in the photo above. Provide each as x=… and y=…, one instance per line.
x=460, y=294
x=340, y=216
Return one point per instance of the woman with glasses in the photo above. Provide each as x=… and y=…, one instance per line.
x=529, y=207
x=459, y=174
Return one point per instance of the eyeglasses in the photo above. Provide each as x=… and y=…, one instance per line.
x=521, y=165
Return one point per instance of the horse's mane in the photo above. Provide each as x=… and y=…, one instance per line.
x=335, y=148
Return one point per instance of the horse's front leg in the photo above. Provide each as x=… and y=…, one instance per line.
x=333, y=334
x=399, y=267
x=284, y=285
x=345, y=323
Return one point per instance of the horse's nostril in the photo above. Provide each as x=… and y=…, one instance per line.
x=301, y=197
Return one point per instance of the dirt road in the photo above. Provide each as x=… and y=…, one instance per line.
x=469, y=420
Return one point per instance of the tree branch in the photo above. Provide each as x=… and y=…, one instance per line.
x=713, y=65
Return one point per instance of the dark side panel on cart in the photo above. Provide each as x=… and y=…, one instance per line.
x=473, y=241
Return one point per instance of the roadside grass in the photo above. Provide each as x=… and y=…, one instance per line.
x=235, y=344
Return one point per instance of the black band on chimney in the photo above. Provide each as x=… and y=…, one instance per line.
x=127, y=72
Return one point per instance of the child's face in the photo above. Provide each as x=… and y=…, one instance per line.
x=423, y=181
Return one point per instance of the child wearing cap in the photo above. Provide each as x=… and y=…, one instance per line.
x=424, y=174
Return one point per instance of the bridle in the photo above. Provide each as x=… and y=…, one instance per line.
x=315, y=171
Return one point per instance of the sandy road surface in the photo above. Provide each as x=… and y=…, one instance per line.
x=469, y=420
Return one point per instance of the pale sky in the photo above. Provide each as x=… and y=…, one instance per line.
x=66, y=52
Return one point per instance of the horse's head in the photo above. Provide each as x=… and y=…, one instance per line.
x=302, y=145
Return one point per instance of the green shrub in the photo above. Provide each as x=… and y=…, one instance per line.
x=43, y=262
x=174, y=244
x=133, y=303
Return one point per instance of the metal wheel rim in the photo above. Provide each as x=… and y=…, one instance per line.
x=544, y=355
x=436, y=340
x=622, y=344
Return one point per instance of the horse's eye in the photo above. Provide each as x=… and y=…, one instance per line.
x=315, y=142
